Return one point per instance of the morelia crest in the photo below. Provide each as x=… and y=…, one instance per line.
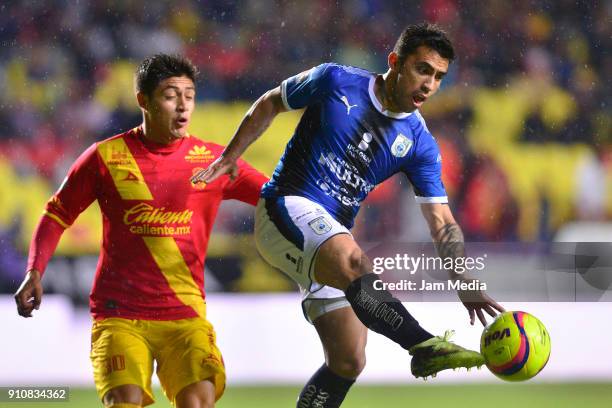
x=401, y=146
x=199, y=154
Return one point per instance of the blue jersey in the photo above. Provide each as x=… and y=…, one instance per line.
x=345, y=144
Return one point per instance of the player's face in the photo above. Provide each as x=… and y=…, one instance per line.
x=171, y=105
x=418, y=78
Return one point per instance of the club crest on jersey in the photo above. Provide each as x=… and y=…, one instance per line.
x=199, y=154
x=400, y=146
x=320, y=225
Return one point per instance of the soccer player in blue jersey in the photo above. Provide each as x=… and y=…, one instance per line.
x=358, y=129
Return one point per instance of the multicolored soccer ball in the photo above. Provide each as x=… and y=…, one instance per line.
x=516, y=346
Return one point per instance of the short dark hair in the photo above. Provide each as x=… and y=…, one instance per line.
x=429, y=35
x=155, y=69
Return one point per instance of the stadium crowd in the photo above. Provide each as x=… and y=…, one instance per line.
x=523, y=121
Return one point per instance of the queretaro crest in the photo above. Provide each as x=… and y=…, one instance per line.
x=320, y=225
x=400, y=146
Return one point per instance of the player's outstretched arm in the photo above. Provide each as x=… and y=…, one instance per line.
x=75, y=194
x=44, y=241
x=255, y=122
x=29, y=294
x=448, y=238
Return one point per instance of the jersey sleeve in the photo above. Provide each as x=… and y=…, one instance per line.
x=78, y=190
x=425, y=172
x=306, y=88
x=44, y=241
x=247, y=186
x=75, y=194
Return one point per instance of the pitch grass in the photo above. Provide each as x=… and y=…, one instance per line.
x=555, y=395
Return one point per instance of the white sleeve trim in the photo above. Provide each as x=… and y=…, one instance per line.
x=284, y=95
x=431, y=200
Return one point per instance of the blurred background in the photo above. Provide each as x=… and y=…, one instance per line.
x=523, y=121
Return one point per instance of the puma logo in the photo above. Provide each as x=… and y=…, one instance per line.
x=348, y=105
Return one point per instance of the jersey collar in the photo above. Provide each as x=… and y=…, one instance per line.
x=377, y=104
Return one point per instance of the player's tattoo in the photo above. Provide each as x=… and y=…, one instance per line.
x=449, y=242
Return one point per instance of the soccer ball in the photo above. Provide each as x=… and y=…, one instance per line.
x=516, y=346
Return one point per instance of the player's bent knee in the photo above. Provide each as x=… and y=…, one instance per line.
x=358, y=264
x=340, y=261
x=124, y=396
x=348, y=366
x=194, y=400
x=197, y=395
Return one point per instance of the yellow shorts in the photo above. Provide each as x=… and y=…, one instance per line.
x=123, y=351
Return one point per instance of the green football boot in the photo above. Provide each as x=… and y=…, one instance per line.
x=438, y=353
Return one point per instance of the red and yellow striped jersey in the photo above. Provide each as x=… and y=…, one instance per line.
x=156, y=223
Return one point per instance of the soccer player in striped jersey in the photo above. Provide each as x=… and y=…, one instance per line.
x=358, y=129
x=148, y=300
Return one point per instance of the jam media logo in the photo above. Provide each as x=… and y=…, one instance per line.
x=401, y=146
x=199, y=154
x=320, y=225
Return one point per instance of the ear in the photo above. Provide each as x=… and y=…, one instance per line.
x=143, y=100
x=393, y=61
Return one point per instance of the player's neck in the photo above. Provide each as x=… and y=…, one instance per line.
x=155, y=135
x=383, y=90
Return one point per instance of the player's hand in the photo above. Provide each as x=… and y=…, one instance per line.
x=475, y=301
x=29, y=294
x=223, y=165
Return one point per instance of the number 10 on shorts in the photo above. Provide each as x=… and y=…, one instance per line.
x=115, y=363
